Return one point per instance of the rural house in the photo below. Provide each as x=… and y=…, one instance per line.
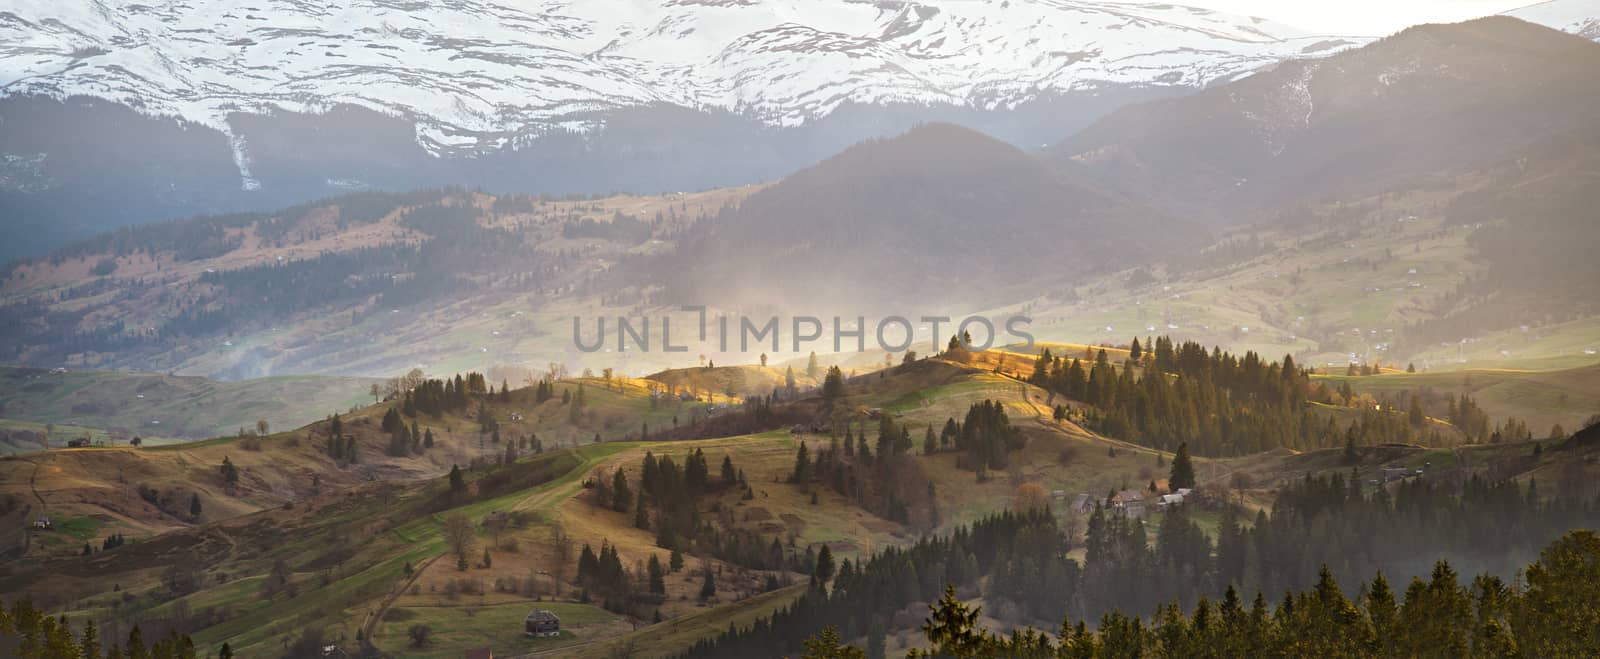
x=542, y=623
x=1082, y=504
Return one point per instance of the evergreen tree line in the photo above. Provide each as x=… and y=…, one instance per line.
x=862, y=597
x=667, y=503
x=985, y=437
x=1218, y=403
x=885, y=480
x=28, y=633
x=1554, y=611
x=622, y=228
x=403, y=440
x=1317, y=521
x=438, y=396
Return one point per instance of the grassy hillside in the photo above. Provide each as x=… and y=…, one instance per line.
x=1540, y=398
x=122, y=405
x=347, y=533
x=733, y=382
x=347, y=540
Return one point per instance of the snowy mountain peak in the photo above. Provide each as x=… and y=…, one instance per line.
x=1580, y=17
x=476, y=74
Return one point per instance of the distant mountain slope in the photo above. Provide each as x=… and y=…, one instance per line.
x=151, y=404
x=1429, y=99
x=472, y=74
x=940, y=216
x=122, y=112
x=1580, y=17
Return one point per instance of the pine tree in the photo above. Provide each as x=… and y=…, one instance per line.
x=824, y=566
x=641, y=517
x=833, y=387
x=89, y=648
x=802, y=466
x=658, y=583
x=230, y=473
x=1182, y=475
x=458, y=481
x=621, y=495
x=708, y=586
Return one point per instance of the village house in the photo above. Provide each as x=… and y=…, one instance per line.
x=1126, y=497
x=42, y=523
x=1175, y=498
x=1130, y=503
x=542, y=623
x=1082, y=504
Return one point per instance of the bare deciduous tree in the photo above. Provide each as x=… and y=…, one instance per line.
x=458, y=532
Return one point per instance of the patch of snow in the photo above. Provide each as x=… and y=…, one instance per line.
x=476, y=74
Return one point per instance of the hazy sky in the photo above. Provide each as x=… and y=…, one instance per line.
x=1360, y=17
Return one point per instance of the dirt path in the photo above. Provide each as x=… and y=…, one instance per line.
x=33, y=483
x=370, y=626
x=33, y=486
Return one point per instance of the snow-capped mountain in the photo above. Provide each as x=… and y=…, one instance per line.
x=1580, y=17
x=477, y=74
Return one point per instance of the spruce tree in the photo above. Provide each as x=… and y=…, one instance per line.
x=658, y=583
x=1182, y=475
x=708, y=586
x=621, y=495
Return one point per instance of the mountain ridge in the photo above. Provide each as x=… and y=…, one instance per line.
x=1430, y=98
x=504, y=74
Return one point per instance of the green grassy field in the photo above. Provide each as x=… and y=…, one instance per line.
x=498, y=626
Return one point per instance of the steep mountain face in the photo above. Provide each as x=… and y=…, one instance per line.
x=1432, y=98
x=941, y=216
x=475, y=75
x=227, y=106
x=1580, y=17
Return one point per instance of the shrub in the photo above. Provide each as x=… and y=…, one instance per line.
x=419, y=635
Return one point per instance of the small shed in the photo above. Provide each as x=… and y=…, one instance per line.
x=42, y=523
x=542, y=623
x=480, y=653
